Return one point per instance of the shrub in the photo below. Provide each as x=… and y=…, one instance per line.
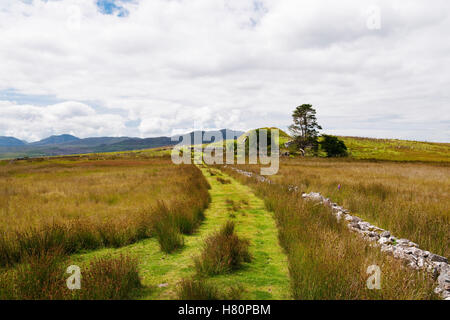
x=223, y=252
x=333, y=146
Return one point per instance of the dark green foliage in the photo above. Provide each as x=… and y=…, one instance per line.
x=333, y=146
x=305, y=127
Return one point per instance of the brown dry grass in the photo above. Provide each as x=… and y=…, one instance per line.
x=88, y=204
x=326, y=260
x=410, y=199
x=223, y=252
x=43, y=277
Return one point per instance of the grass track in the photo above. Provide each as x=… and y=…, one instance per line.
x=266, y=277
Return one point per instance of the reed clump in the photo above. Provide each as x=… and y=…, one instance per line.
x=200, y=289
x=223, y=252
x=43, y=277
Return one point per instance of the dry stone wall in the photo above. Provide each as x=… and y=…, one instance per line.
x=403, y=249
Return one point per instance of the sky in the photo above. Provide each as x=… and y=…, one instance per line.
x=147, y=68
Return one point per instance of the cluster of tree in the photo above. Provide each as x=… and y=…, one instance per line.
x=333, y=146
x=305, y=131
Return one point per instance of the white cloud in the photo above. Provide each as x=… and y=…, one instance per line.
x=231, y=63
x=31, y=123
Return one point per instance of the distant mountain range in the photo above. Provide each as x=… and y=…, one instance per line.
x=11, y=142
x=67, y=144
x=64, y=138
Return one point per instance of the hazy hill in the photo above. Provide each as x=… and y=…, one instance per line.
x=64, y=138
x=89, y=142
x=186, y=139
x=134, y=144
x=11, y=142
x=68, y=144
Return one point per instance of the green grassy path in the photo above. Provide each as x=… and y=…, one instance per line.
x=266, y=277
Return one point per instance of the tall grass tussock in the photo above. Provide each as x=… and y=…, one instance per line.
x=200, y=289
x=223, y=252
x=43, y=277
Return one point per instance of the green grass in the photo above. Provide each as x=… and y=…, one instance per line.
x=283, y=136
x=388, y=149
x=266, y=277
x=397, y=150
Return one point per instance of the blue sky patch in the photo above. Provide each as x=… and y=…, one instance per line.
x=112, y=7
x=20, y=98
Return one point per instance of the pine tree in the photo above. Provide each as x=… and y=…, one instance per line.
x=305, y=128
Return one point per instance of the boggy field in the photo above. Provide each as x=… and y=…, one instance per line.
x=141, y=227
x=326, y=260
x=409, y=199
x=138, y=228
x=88, y=204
